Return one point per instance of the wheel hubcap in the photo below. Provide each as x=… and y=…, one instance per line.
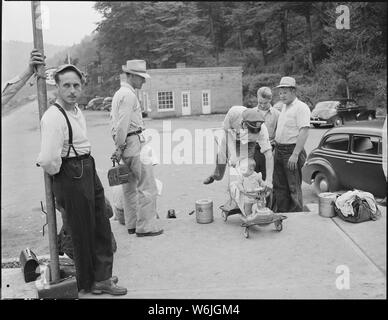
x=323, y=186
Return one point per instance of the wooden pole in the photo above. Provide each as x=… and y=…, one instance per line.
x=42, y=102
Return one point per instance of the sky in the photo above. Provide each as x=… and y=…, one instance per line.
x=67, y=24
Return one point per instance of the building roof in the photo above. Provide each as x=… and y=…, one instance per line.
x=194, y=70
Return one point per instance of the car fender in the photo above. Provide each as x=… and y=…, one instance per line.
x=313, y=166
x=365, y=113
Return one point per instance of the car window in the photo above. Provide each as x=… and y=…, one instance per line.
x=339, y=142
x=325, y=105
x=366, y=145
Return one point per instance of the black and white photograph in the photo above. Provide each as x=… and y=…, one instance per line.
x=193, y=156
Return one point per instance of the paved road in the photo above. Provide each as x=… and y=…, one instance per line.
x=22, y=186
x=308, y=259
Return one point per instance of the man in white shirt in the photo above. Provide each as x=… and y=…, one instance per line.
x=291, y=135
x=13, y=86
x=65, y=155
x=243, y=128
x=271, y=115
x=127, y=125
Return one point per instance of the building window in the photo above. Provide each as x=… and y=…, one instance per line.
x=165, y=101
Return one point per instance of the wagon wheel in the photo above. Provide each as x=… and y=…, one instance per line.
x=246, y=232
x=279, y=226
x=224, y=215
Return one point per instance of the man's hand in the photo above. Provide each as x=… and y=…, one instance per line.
x=233, y=161
x=293, y=162
x=36, y=58
x=116, y=156
x=267, y=187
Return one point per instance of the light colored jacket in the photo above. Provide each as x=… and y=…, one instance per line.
x=126, y=114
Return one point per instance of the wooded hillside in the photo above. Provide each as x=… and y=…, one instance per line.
x=268, y=39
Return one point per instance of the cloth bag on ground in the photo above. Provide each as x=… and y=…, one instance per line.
x=357, y=206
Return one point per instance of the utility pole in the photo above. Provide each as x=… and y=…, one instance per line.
x=42, y=102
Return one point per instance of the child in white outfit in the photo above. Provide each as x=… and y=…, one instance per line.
x=249, y=181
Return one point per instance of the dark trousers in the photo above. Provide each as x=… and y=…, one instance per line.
x=79, y=191
x=260, y=162
x=287, y=184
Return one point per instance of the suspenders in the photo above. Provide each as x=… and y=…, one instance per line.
x=70, y=131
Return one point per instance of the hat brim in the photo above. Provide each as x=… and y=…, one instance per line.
x=285, y=86
x=69, y=67
x=141, y=74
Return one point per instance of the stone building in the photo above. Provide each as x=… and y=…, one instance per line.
x=191, y=91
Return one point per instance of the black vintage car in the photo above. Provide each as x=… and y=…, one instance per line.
x=336, y=112
x=348, y=157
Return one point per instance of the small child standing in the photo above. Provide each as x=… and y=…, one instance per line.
x=249, y=183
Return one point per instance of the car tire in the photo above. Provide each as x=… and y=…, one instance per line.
x=321, y=183
x=338, y=122
x=316, y=125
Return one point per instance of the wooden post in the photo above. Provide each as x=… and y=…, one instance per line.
x=42, y=102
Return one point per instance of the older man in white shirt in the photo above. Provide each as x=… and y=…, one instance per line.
x=127, y=125
x=289, y=157
x=65, y=155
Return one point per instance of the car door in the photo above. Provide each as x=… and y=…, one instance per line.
x=335, y=149
x=365, y=160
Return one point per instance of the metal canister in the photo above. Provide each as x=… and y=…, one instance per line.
x=204, y=211
x=326, y=204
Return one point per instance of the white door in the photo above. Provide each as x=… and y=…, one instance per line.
x=206, y=109
x=186, y=105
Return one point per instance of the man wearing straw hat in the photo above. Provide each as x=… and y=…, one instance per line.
x=290, y=138
x=127, y=127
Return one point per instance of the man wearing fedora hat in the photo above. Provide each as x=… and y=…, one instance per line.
x=289, y=157
x=127, y=127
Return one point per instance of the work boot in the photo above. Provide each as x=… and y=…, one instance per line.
x=131, y=231
x=115, y=279
x=208, y=180
x=108, y=286
x=149, y=234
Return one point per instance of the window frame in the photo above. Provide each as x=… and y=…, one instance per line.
x=173, y=101
x=379, y=146
x=336, y=150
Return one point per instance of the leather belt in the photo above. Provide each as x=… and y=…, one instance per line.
x=81, y=157
x=134, y=132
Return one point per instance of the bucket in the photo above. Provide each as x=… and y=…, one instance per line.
x=326, y=204
x=204, y=211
